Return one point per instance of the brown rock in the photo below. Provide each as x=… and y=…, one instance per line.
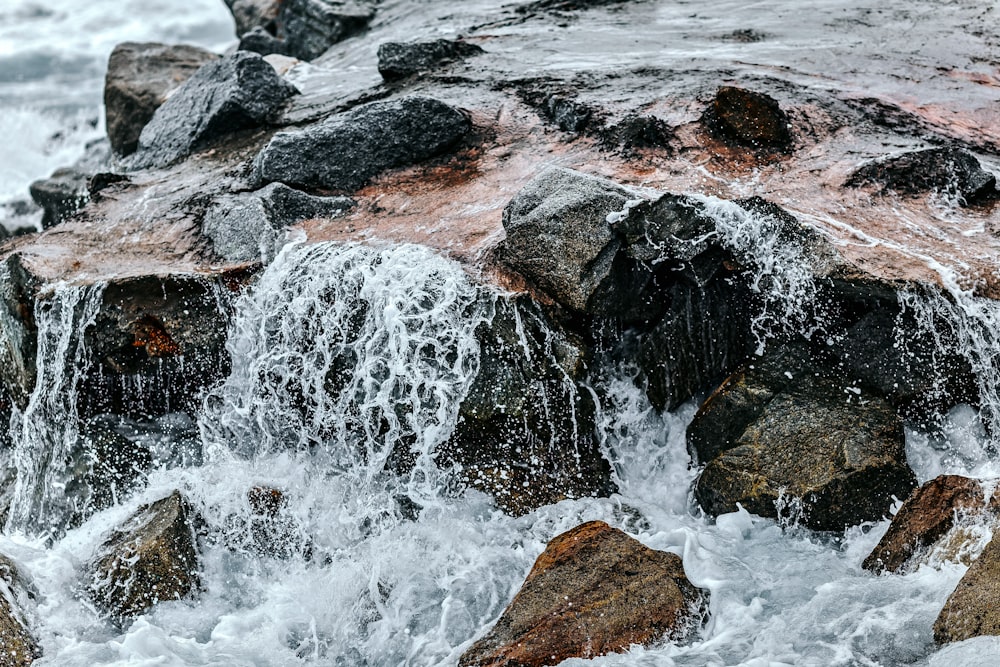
x=593, y=591
x=973, y=608
x=749, y=119
x=17, y=646
x=926, y=516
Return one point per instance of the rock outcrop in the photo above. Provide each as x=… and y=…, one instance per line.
x=593, y=591
x=60, y=195
x=948, y=170
x=17, y=645
x=971, y=609
x=308, y=28
x=397, y=60
x=748, y=118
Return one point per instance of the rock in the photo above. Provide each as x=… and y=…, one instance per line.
x=310, y=27
x=17, y=646
x=347, y=150
x=747, y=118
x=60, y=195
x=568, y=114
x=593, y=591
x=245, y=227
x=261, y=41
x=233, y=93
x=152, y=557
x=140, y=77
x=268, y=529
x=397, y=60
x=926, y=517
x=971, y=610
x=251, y=14
x=636, y=131
x=949, y=170
x=830, y=456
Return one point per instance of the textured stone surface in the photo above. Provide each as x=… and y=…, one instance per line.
x=973, y=608
x=60, y=195
x=948, y=170
x=310, y=27
x=17, y=646
x=748, y=118
x=397, y=60
x=593, y=591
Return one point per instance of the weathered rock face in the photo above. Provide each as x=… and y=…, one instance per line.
x=347, y=150
x=971, y=609
x=17, y=645
x=140, y=77
x=948, y=170
x=250, y=14
x=800, y=441
x=397, y=60
x=152, y=557
x=310, y=27
x=747, y=118
x=60, y=195
x=926, y=517
x=593, y=591
x=233, y=93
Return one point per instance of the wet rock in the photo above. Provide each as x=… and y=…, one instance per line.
x=245, y=227
x=949, y=170
x=17, y=646
x=397, y=60
x=829, y=455
x=268, y=529
x=251, y=14
x=151, y=558
x=347, y=150
x=564, y=5
x=971, y=609
x=926, y=517
x=233, y=93
x=310, y=27
x=747, y=118
x=261, y=41
x=60, y=195
x=140, y=77
x=18, y=331
x=568, y=114
x=593, y=591
x=636, y=131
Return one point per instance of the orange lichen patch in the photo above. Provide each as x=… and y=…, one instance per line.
x=153, y=337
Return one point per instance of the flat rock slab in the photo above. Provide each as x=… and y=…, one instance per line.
x=948, y=170
x=593, y=591
x=397, y=60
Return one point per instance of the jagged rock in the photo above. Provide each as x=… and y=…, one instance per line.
x=310, y=27
x=926, y=517
x=345, y=151
x=140, y=77
x=236, y=92
x=950, y=170
x=636, y=131
x=397, y=60
x=250, y=14
x=151, y=558
x=60, y=195
x=568, y=114
x=261, y=41
x=593, y=591
x=17, y=647
x=749, y=119
x=245, y=227
x=972, y=609
x=525, y=431
x=783, y=434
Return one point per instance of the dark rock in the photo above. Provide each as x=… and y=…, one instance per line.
x=261, y=41
x=345, y=151
x=237, y=92
x=568, y=114
x=593, y=591
x=251, y=14
x=971, y=609
x=60, y=195
x=151, y=558
x=949, y=170
x=18, y=330
x=749, y=119
x=268, y=529
x=310, y=27
x=397, y=60
x=140, y=77
x=244, y=227
x=564, y=5
x=17, y=646
x=926, y=517
x=635, y=131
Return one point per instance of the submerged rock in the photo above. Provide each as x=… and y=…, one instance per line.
x=60, y=195
x=593, y=591
x=747, y=118
x=140, y=77
x=17, y=647
x=397, y=60
x=948, y=170
x=971, y=610
x=233, y=93
x=345, y=151
x=151, y=558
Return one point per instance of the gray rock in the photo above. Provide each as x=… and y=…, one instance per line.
x=60, y=195
x=237, y=92
x=251, y=14
x=17, y=646
x=949, y=170
x=245, y=227
x=397, y=60
x=345, y=151
x=310, y=27
x=261, y=41
x=140, y=77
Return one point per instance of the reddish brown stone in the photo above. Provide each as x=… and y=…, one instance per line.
x=748, y=119
x=972, y=608
x=593, y=591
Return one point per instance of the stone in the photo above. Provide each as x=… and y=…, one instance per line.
x=151, y=558
x=749, y=119
x=245, y=227
x=397, y=60
x=926, y=517
x=60, y=195
x=593, y=591
x=140, y=77
x=239, y=91
x=635, y=131
x=18, y=647
x=347, y=150
x=973, y=608
x=948, y=170
x=268, y=528
x=261, y=41
x=251, y=14
x=310, y=27
x=568, y=114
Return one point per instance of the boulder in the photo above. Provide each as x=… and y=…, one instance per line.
x=60, y=195
x=749, y=119
x=140, y=77
x=17, y=646
x=263, y=42
x=397, y=60
x=151, y=558
x=925, y=518
x=593, y=591
x=245, y=227
x=310, y=27
x=949, y=170
x=972, y=610
x=635, y=131
x=347, y=150
x=251, y=14
x=237, y=92
x=568, y=114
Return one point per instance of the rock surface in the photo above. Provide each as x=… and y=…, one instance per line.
x=237, y=92
x=347, y=150
x=748, y=118
x=151, y=558
x=17, y=645
x=250, y=14
x=593, y=591
x=397, y=60
x=60, y=195
x=309, y=27
x=951, y=171
x=972, y=610
x=139, y=79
